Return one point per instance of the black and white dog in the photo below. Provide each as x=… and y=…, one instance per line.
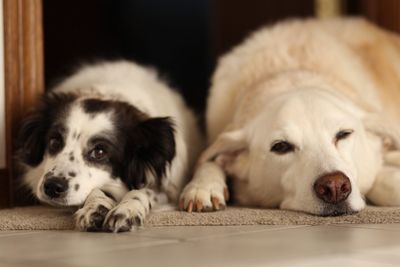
x=113, y=140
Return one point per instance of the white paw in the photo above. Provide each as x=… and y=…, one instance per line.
x=125, y=216
x=204, y=196
x=90, y=217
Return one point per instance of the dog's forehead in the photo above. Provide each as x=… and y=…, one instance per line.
x=309, y=106
x=303, y=116
x=81, y=123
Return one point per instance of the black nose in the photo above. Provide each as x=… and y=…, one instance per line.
x=333, y=188
x=54, y=187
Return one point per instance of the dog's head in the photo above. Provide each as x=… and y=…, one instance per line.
x=72, y=145
x=307, y=150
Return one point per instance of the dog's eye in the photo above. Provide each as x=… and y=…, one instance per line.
x=55, y=143
x=282, y=147
x=98, y=153
x=343, y=134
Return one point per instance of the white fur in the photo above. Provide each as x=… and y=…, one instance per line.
x=300, y=81
x=140, y=87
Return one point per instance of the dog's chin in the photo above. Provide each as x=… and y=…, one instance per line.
x=330, y=210
x=54, y=202
x=58, y=202
x=327, y=210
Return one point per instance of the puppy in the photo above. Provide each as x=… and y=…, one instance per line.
x=112, y=139
x=304, y=115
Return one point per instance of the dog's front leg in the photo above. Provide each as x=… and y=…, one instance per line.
x=91, y=216
x=132, y=210
x=386, y=189
x=207, y=191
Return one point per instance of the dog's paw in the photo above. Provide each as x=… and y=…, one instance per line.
x=201, y=197
x=125, y=217
x=91, y=218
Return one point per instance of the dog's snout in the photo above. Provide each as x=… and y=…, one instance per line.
x=333, y=188
x=54, y=187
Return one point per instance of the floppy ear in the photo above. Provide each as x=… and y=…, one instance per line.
x=226, y=149
x=380, y=126
x=31, y=139
x=150, y=149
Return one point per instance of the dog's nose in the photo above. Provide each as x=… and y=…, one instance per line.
x=54, y=187
x=333, y=188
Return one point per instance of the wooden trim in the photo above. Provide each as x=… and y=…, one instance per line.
x=385, y=13
x=4, y=188
x=24, y=78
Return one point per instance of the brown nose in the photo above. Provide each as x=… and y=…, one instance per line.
x=333, y=188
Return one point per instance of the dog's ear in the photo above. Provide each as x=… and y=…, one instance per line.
x=228, y=148
x=150, y=150
x=379, y=125
x=31, y=138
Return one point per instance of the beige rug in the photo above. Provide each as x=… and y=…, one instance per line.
x=46, y=218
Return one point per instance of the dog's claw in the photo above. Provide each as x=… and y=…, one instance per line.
x=215, y=203
x=199, y=205
x=190, y=206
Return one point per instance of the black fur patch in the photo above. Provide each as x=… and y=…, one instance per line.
x=33, y=134
x=150, y=147
x=94, y=105
x=143, y=144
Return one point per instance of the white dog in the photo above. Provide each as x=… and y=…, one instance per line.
x=108, y=129
x=304, y=115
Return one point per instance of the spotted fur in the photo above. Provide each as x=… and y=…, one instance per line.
x=111, y=132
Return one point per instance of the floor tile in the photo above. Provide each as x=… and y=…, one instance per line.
x=389, y=227
x=17, y=232
x=47, y=245
x=278, y=247
x=34, y=263
x=384, y=254
x=202, y=232
x=222, y=246
x=340, y=260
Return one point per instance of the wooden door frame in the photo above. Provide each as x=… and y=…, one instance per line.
x=24, y=77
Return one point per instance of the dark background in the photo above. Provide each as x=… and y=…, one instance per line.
x=181, y=38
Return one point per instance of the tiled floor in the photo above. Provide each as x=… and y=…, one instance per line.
x=309, y=246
